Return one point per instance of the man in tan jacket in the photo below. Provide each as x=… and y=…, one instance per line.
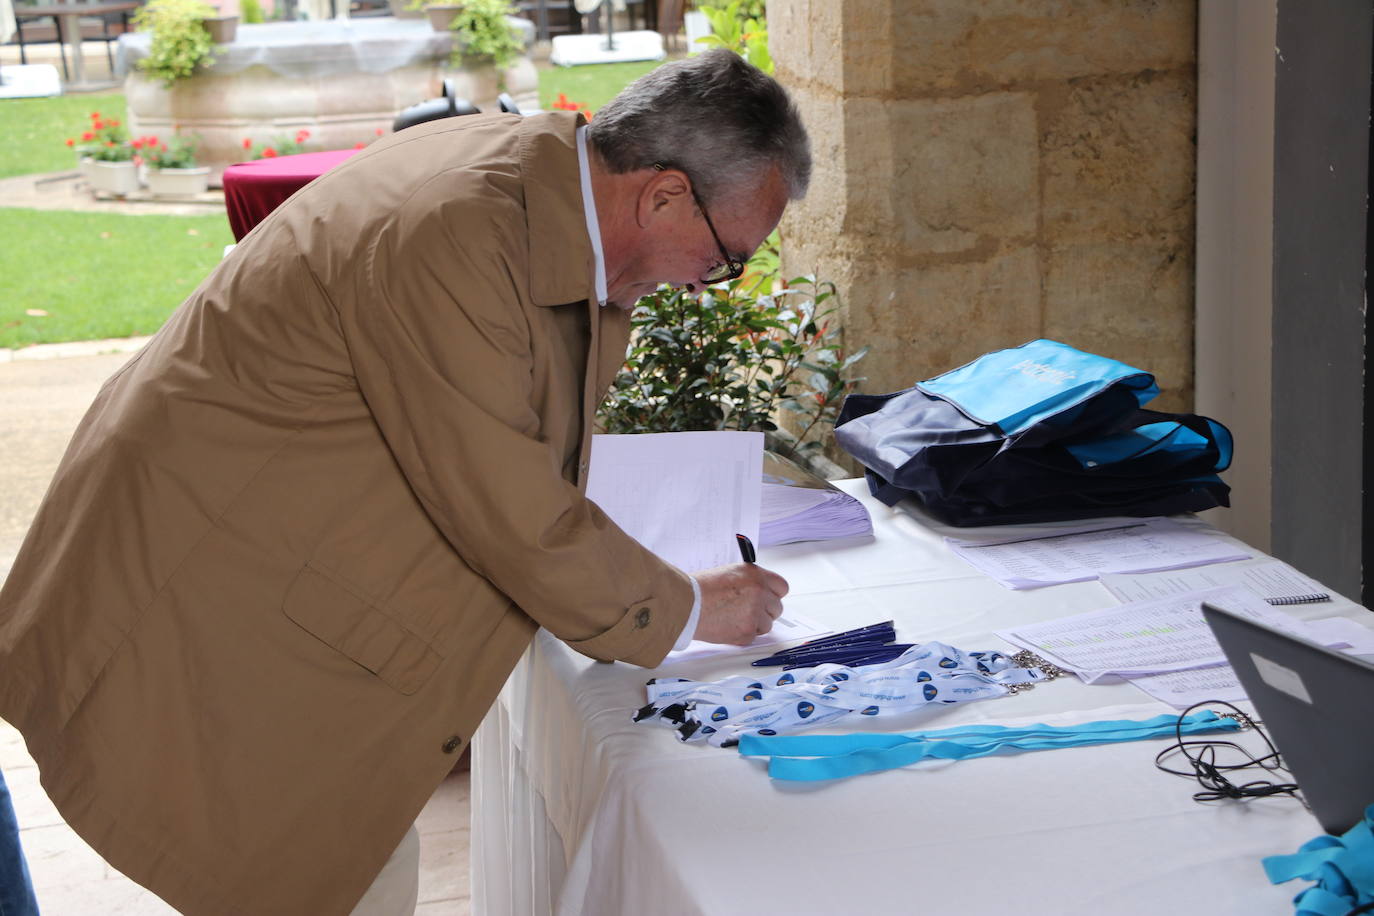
x=300, y=540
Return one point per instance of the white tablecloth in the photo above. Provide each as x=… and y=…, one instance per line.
x=576, y=810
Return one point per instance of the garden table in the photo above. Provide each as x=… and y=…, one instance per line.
x=254, y=189
x=68, y=16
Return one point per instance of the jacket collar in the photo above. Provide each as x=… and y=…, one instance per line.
x=562, y=268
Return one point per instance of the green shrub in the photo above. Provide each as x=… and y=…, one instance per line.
x=179, y=41
x=736, y=356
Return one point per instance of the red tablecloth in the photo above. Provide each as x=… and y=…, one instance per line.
x=254, y=189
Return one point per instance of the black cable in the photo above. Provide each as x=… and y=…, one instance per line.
x=1206, y=766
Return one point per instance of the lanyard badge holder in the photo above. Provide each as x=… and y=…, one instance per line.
x=870, y=682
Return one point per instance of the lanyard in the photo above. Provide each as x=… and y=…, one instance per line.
x=816, y=757
x=933, y=673
x=1343, y=868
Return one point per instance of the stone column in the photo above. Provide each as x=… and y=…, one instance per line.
x=988, y=173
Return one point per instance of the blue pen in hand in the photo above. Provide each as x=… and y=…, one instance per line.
x=746, y=548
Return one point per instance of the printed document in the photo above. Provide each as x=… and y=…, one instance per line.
x=1146, y=637
x=682, y=495
x=1182, y=689
x=1146, y=546
x=1266, y=578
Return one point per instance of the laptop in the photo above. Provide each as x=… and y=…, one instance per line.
x=1316, y=704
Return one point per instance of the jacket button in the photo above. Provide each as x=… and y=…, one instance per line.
x=452, y=744
x=642, y=618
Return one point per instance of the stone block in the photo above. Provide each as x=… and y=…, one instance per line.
x=921, y=321
x=1119, y=157
x=962, y=171
x=949, y=45
x=1131, y=301
x=822, y=211
x=805, y=40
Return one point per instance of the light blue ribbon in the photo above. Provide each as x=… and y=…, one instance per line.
x=807, y=758
x=1343, y=868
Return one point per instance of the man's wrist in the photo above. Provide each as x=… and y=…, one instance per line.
x=689, y=632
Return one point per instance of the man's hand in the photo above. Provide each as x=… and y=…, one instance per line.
x=738, y=602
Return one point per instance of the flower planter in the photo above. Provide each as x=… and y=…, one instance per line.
x=86, y=166
x=179, y=182
x=441, y=15
x=222, y=29
x=118, y=178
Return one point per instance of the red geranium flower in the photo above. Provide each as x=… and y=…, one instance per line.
x=95, y=116
x=269, y=153
x=71, y=142
x=136, y=144
x=99, y=125
x=380, y=131
x=247, y=144
x=88, y=136
x=359, y=145
x=113, y=123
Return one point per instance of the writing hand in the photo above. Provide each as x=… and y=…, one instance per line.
x=738, y=603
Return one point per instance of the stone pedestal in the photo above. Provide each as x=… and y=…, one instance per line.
x=993, y=172
x=341, y=81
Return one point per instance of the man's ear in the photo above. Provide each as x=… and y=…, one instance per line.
x=663, y=192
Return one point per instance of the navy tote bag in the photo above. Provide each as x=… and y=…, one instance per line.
x=1040, y=432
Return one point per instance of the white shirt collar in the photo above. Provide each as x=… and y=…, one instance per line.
x=589, y=210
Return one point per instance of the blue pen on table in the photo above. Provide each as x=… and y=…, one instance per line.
x=864, y=645
x=746, y=548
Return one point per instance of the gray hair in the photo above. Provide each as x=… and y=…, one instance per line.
x=715, y=116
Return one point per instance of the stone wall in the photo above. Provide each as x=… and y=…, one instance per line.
x=987, y=173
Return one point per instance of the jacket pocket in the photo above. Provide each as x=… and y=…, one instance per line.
x=360, y=630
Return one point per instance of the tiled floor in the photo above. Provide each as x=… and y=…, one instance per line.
x=70, y=879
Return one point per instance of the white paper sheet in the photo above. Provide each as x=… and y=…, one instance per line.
x=789, y=627
x=682, y=495
x=1148, y=637
x=1182, y=689
x=1266, y=578
x=1153, y=544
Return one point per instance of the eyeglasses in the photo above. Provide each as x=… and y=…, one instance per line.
x=729, y=268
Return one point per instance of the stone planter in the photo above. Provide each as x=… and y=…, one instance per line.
x=222, y=29
x=86, y=166
x=179, y=182
x=118, y=178
x=441, y=15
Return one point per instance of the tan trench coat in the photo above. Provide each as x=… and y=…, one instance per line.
x=300, y=540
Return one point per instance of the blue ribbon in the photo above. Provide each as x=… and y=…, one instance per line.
x=1343, y=868
x=807, y=758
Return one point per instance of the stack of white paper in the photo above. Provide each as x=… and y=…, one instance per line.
x=799, y=506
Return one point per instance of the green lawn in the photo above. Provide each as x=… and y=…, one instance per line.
x=593, y=85
x=99, y=275
x=35, y=130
